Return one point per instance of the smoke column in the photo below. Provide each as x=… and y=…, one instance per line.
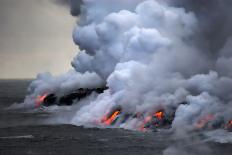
x=151, y=54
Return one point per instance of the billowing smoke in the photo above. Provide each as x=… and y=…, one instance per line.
x=152, y=55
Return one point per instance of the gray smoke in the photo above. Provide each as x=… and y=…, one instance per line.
x=151, y=54
x=214, y=22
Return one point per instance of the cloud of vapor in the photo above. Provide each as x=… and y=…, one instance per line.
x=137, y=49
x=151, y=54
x=214, y=20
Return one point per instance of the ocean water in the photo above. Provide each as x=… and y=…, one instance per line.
x=12, y=91
x=23, y=132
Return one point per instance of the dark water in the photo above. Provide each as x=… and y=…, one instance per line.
x=12, y=91
x=22, y=132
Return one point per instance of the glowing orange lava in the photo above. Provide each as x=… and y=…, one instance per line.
x=203, y=121
x=40, y=99
x=159, y=115
x=108, y=120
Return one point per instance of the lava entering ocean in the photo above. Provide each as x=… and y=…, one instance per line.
x=40, y=100
x=148, y=121
x=166, y=64
x=108, y=120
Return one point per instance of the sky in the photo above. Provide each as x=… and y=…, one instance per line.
x=31, y=33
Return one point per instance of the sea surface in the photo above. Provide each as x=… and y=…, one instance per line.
x=23, y=132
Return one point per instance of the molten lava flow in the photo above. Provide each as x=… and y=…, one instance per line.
x=40, y=99
x=159, y=115
x=203, y=121
x=108, y=120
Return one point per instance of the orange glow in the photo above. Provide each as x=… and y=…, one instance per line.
x=40, y=99
x=203, y=121
x=108, y=120
x=145, y=121
x=159, y=115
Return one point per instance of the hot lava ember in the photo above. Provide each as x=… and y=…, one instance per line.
x=159, y=115
x=40, y=99
x=150, y=120
x=108, y=120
